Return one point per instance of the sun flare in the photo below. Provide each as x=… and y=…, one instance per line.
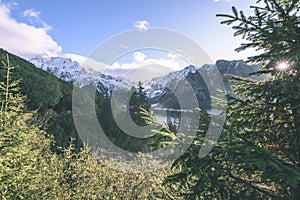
x=282, y=66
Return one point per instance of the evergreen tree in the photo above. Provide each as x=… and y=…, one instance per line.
x=138, y=100
x=257, y=156
x=265, y=116
x=26, y=163
x=30, y=170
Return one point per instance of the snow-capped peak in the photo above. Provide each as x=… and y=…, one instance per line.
x=187, y=70
x=73, y=72
x=63, y=68
x=70, y=71
x=156, y=87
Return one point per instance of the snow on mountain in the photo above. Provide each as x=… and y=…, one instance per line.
x=63, y=68
x=108, y=83
x=157, y=88
x=71, y=71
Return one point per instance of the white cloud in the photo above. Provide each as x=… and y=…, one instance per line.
x=172, y=56
x=140, y=68
x=23, y=39
x=88, y=63
x=35, y=19
x=11, y=4
x=142, y=25
x=140, y=59
x=32, y=13
x=144, y=68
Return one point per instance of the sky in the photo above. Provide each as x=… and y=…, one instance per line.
x=74, y=28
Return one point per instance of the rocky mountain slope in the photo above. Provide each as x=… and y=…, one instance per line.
x=159, y=90
x=200, y=80
x=70, y=71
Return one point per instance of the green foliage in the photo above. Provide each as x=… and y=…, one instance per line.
x=43, y=90
x=30, y=170
x=257, y=156
x=138, y=100
x=88, y=178
x=274, y=29
x=265, y=115
x=23, y=148
x=52, y=98
x=112, y=130
x=163, y=135
x=46, y=94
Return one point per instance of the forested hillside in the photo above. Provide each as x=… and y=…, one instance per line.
x=29, y=169
x=51, y=98
x=48, y=95
x=257, y=155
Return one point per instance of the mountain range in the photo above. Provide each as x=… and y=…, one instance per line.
x=48, y=84
x=158, y=90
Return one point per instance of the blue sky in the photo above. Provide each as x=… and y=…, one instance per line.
x=75, y=28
